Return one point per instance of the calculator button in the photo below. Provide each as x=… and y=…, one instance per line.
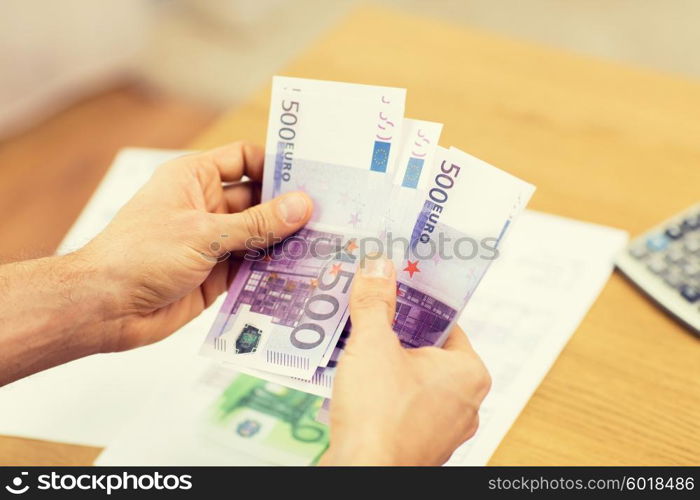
x=692, y=245
x=690, y=293
x=657, y=242
x=676, y=253
x=657, y=266
x=674, y=278
x=693, y=259
x=692, y=222
x=674, y=232
x=639, y=251
x=691, y=269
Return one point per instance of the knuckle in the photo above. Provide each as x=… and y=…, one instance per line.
x=481, y=379
x=371, y=298
x=475, y=377
x=472, y=426
x=256, y=223
x=487, y=381
x=191, y=161
x=221, y=157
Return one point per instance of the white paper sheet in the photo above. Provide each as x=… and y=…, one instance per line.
x=527, y=307
x=170, y=430
x=524, y=312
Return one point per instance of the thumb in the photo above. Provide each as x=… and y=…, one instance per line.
x=261, y=225
x=373, y=302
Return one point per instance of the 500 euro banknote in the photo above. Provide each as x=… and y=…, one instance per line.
x=337, y=142
x=464, y=212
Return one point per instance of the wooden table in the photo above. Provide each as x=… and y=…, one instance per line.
x=603, y=143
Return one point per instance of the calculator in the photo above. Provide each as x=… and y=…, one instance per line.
x=665, y=264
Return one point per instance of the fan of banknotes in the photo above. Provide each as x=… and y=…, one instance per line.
x=380, y=184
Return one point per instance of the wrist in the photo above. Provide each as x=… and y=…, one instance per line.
x=94, y=300
x=53, y=310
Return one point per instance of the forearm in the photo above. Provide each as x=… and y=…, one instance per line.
x=52, y=310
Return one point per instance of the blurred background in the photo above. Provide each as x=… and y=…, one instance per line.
x=81, y=79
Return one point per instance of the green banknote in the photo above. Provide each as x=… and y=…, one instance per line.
x=269, y=421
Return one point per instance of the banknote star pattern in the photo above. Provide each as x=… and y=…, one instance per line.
x=411, y=267
x=351, y=246
x=354, y=219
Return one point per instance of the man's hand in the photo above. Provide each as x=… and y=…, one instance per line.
x=160, y=255
x=158, y=264
x=396, y=406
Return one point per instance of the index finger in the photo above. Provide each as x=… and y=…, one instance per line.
x=234, y=160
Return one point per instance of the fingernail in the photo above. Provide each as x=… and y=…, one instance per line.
x=292, y=208
x=376, y=266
